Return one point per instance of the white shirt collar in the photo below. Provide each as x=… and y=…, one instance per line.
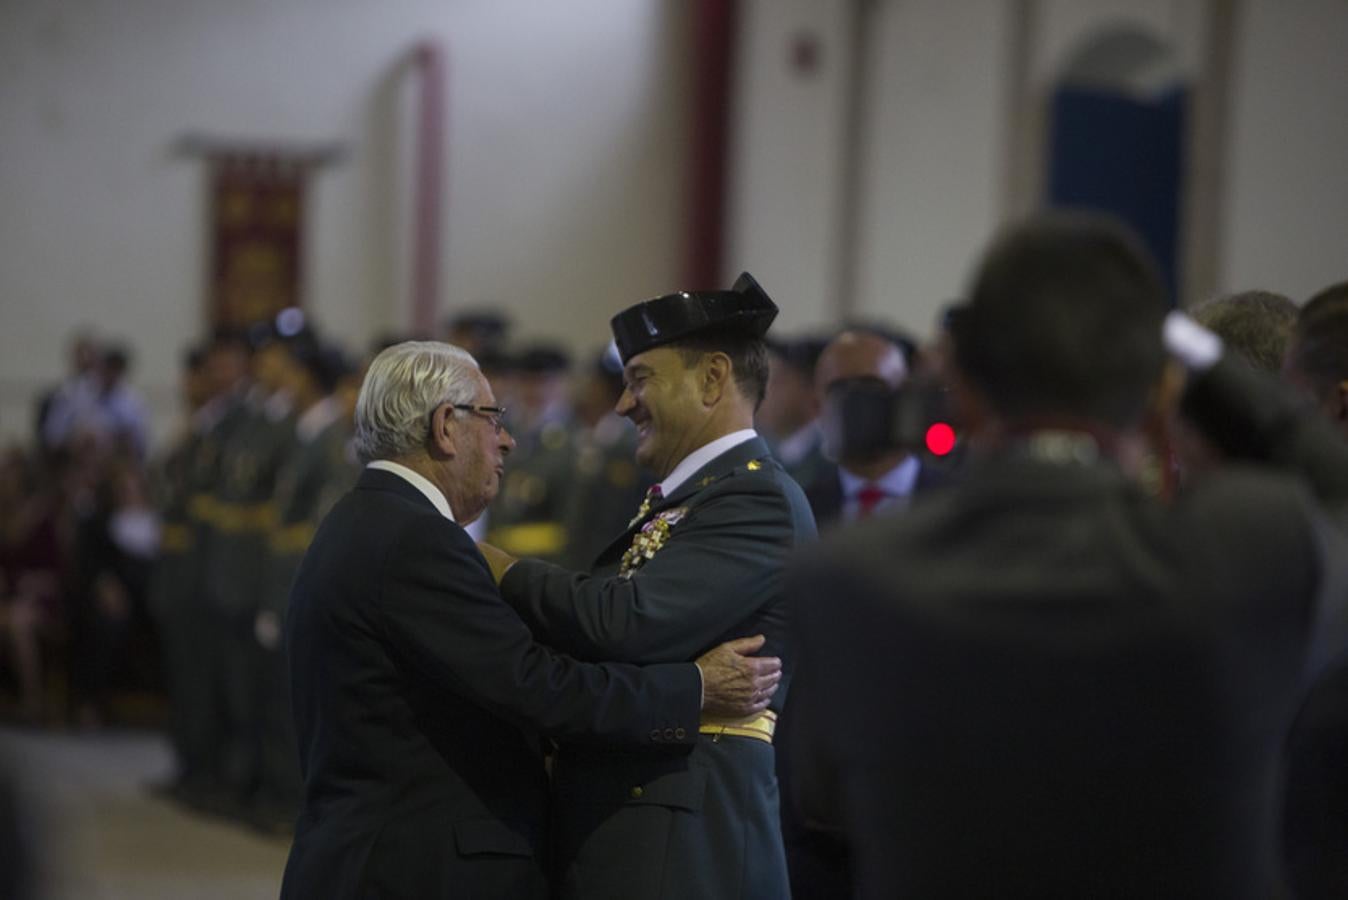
x=701, y=456
x=897, y=482
x=418, y=481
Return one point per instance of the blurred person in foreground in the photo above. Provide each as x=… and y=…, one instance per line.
x=1315, y=817
x=419, y=697
x=700, y=562
x=1078, y=691
x=1317, y=358
x=1255, y=328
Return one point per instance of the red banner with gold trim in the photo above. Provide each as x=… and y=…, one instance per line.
x=257, y=221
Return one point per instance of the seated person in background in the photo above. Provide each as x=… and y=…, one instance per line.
x=1076, y=690
x=32, y=561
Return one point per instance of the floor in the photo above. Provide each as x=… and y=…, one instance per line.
x=101, y=835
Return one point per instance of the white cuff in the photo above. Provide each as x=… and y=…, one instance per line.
x=1190, y=343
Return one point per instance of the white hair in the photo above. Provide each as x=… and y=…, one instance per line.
x=404, y=385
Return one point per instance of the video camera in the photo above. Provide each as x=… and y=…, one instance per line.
x=869, y=418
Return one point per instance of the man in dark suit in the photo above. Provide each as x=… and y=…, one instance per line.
x=701, y=562
x=1077, y=690
x=418, y=695
x=861, y=485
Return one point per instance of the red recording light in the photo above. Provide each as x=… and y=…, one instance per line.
x=940, y=439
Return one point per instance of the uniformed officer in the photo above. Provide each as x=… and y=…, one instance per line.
x=528, y=516
x=314, y=472
x=172, y=581
x=607, y=483
x=193, y=666
x=239, y=511
x=700, y=562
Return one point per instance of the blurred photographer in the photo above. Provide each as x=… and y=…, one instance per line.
x=1076, y=688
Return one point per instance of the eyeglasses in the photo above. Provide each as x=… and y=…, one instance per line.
x=493, y=414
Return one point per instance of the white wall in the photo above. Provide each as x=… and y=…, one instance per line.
x=785, y=158
x=931, y=192
x=1287, y=200
x=566, y=155
x=939, y=133
x=565, y=163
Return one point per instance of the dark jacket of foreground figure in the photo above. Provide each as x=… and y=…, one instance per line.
x=1044, y=683
x=417, y=696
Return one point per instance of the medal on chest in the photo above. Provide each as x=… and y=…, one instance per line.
x=649, y=539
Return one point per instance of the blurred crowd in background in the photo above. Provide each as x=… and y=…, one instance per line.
x=147, y=585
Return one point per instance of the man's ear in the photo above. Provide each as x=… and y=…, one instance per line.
x=1341, y=405
x=717, y=375
x=441, y=441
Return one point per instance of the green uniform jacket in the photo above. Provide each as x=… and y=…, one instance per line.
x=313, y=477
x=243, y=510
x=704, y=825
x=606, y=489
x=529, y=514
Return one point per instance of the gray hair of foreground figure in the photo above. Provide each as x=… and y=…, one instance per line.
x=404, y=385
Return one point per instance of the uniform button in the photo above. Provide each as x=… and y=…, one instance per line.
x=669, y=734
x=655, y=734
x=679, y=733
x=637, y=792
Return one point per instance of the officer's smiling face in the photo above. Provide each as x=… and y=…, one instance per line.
x=662, y=398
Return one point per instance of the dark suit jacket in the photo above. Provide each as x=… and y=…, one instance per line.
x=706, y=825
x=825, y=493
x=417, y=695
x=1044, y=683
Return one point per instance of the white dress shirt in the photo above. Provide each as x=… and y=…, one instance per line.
x=418, y=481
x=701, y=456
x=898, y=484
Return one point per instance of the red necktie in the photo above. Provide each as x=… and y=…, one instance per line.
x=868, y=498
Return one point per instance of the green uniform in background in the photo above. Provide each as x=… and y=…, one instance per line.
x=528, y=517
x=606, y=487
x=315, y=472
x=173, y=598
x=241, y=512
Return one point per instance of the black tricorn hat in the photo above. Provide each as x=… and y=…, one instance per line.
x=745, y=309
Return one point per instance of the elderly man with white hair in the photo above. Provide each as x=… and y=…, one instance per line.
x=419, y=696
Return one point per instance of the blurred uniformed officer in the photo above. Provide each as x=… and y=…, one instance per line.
x=607, y=484
x=240, y=511
x=173, y=579
x=197, y=701
x=701, y=562
x=789, y=416
x=528, y=516
x=315, y=471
